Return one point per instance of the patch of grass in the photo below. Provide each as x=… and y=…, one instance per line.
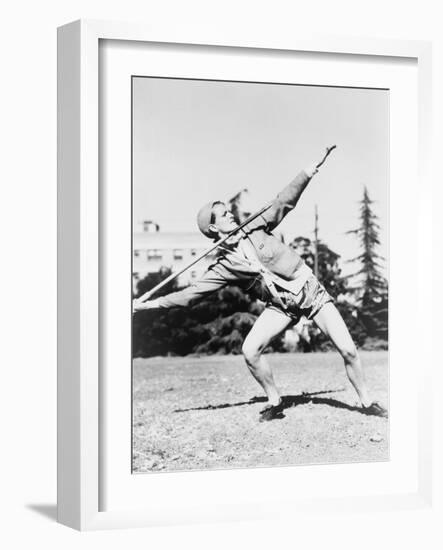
x=202, y=412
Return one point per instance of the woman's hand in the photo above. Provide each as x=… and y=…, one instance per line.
x=312, y=170
x=138, y=305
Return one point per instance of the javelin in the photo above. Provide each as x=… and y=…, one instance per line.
x=148, y=294
x=221, y=241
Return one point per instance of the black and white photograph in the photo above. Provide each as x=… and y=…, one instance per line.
x=260, y=269
x=222, y=267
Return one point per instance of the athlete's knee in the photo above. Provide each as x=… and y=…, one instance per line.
x=251, y=352
x=349, y=353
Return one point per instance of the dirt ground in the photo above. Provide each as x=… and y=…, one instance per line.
x=202, y=413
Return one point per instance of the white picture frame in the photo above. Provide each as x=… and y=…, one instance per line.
x=79, y=256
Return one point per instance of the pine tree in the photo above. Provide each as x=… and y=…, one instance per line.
x=370, y=285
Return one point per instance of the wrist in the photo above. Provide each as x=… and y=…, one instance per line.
x=311, y=170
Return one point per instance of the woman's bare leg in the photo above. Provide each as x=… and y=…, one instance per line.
x=331, y=323
x=268, y=325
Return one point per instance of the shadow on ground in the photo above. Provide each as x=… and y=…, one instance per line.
x=48, y=511
x=288, y=401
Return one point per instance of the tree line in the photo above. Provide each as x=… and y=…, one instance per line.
x=220, y=322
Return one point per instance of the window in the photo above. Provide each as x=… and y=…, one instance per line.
x=178, y=254
x=136, y=253
x=153, y=254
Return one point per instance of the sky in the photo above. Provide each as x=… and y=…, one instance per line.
x=196, y=141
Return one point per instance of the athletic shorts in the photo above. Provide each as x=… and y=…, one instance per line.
x=308, y=302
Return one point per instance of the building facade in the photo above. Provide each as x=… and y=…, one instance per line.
x=153, y=250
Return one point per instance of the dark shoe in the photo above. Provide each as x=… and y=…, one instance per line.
x=272, y=412
x=375, y=409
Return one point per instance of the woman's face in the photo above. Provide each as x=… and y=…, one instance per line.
x=224, y=221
